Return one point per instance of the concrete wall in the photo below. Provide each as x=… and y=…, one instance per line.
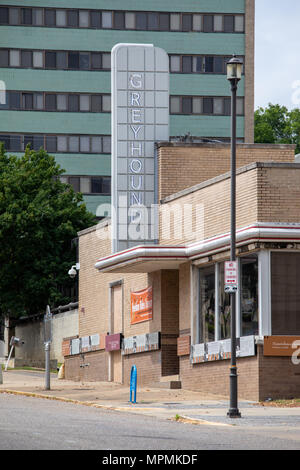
x=31, y=331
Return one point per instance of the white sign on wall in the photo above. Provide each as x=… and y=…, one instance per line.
x=140, y=117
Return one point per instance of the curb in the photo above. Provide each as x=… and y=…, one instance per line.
x=182, y=419
x=52, y=397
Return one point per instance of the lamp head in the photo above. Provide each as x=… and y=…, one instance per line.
x=234, y=69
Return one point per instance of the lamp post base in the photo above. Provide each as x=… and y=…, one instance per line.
x=234, y=413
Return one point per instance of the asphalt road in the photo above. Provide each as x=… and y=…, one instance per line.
x=38, y=424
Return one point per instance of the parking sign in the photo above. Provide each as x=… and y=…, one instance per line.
x=231, y=276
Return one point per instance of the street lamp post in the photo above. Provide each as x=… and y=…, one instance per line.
x=234, y=75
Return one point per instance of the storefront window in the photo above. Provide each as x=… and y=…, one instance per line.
x=224, y=307
x=216, y=325
x=207, y=304
x=249, y=295
x=285, y=288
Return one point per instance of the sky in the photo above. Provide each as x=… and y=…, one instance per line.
x=277, y=53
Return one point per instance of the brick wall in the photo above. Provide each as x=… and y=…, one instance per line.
x=148, y=366
x=266, y=192
x=279, y=378
x=184, y=165
x=95, y=367
x=279, y=194
x=213, y=377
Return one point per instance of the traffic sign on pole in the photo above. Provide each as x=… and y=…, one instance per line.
x=231, y=276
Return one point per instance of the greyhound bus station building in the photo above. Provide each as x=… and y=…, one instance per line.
x=162, y=306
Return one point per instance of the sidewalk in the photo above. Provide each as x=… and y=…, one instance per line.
x=192, y=407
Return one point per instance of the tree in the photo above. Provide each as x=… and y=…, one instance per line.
x=276, y=125
x=39, y=217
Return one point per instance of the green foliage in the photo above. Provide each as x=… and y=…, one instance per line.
x=276, y=125
x=39, y=217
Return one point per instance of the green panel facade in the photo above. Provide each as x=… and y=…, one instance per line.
x=216, y=6
x=42, y=38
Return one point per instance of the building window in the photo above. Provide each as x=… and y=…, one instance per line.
x=208, y=23
x=138, y=20
x=119, y=20
x=95, y=18
x=14, y=100
x=84, y=61
x=84, y=19
x=228, y=24
x=14, y=58
x=129, y=20
x=175, y=65
x=27, y=101
x=141, y=21
x=186, y=105
x=26, y=15
x=75, y=182
x=239, y=24
x=223, y=306
x=285, y=293
x=38, y=61
x=175, y=22
x=73, y=18
x=59, y=143
x=197, y=22
x=61, y=18
x=89, y=184
x=50, y=60
x=153, y=21
x=51, y=143
x=164, y=22
x=73, y=60
x=14, y=16
x=249, y=295
x=50, y=102
x=208, y=105
x=214, y=304
x=207, y=304
x=107, y=19
x=215, y=106
x=26, y=59
x=187, y=64
x=4, y=15
x=49, y=17
x=187, y=22
x=4, y=58
x=37, y=17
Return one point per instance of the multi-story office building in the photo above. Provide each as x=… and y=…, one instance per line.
x=55, y=64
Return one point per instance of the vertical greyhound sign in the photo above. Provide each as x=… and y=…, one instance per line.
x=140, y=117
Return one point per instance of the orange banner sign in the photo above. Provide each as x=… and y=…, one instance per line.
x=141, y=305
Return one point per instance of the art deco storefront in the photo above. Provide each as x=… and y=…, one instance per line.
x=185, y=337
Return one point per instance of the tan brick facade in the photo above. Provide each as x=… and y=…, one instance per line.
x=183, y=166
x=194, y=175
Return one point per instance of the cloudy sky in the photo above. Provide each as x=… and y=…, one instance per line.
x=277, y=76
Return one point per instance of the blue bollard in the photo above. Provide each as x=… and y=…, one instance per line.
x=133, y=380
